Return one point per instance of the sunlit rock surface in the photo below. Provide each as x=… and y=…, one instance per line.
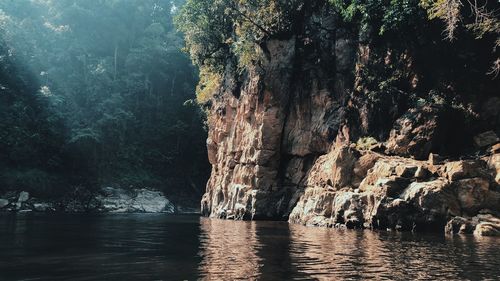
x=284, y=136
x=402, y=193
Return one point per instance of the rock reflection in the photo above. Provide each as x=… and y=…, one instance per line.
x=331, y=254
x=278, y=251
x=228, y=250
x=159, y=247
x=324, y=254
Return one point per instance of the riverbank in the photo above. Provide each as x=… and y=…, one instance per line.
x=105, y=200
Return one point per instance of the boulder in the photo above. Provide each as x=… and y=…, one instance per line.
x=3, y=203
x=488, y=224
x=23, y=197
x=334, y=169
x=463, y=169
x=459, y=225
x=487, y=229
x=472, y=194
x=151, y=202
x=118, y=200
x=21, y=200
x=434, y=159
x=434, y=199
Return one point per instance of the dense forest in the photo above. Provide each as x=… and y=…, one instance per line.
x=97, y=93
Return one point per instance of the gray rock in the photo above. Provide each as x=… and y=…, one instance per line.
x=3, y=203
x=118, y=200
x=151, y=202
x=23, y=197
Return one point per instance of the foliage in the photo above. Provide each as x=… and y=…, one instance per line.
x=366, y=143
x=384, y=15
x=93, y=94
x=216, y=31
x=207, y=86
x=482, y=18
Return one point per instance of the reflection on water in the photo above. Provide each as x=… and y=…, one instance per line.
x=159, y=247
x=278, y=251
x=229, y=251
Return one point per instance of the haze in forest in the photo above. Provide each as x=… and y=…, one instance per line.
x=97, y=93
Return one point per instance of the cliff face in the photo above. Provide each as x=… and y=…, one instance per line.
x=335, y=128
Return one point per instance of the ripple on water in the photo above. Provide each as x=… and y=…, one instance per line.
x=159, y=247
x=277, y=251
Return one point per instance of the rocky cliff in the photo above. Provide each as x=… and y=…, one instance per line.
x=336, y=126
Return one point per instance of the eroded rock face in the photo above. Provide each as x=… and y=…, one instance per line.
x=401, y=193
x=263, y=140
x=281, y=138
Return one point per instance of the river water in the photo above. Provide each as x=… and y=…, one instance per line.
x=163, y=247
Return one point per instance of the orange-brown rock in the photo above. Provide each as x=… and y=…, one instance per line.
x=284, y=134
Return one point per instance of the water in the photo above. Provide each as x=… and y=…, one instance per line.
x=161, y=247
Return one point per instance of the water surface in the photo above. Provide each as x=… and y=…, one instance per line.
x=162, y=247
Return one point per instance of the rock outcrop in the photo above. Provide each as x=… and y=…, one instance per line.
x=282, y=134
x=399, y=193
x=117, y=200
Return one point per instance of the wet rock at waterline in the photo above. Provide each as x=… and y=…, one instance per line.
x=396, y=193
x=118, y=200
x=109, y=199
